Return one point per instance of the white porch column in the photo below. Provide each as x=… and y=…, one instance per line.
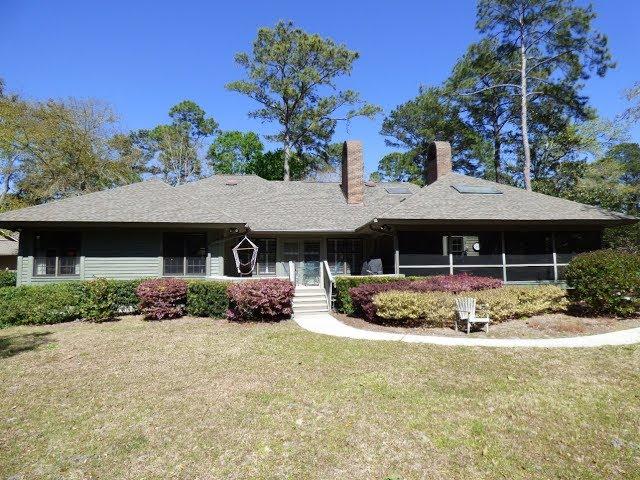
x=504, y=257
x=396, y=254
x=555, y=257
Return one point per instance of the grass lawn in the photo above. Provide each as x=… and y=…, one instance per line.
x=198, y=398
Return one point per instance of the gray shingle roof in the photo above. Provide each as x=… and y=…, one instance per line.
x=291, y=206
x=152, y=201
x=278, y=206
x=8, y=247
x=442, y=201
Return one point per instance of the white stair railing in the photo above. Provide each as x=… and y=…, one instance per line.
x=292, y=272
x=327, y=282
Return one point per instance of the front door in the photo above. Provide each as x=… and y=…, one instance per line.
x=306, y=256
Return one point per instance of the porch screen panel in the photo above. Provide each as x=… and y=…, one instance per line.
x=493, y=272
x=476, y=248
x=266, y=264
x=570, y=244
x=423, y=272
x=344, y=255
x=528, y=247
x=530, y=274
x=422, y=248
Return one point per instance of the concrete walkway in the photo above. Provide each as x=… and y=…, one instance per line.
x=327, y=324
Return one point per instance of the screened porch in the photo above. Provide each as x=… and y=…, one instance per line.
x=511, y=255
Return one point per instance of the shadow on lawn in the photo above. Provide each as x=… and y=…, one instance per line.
x=15, y=344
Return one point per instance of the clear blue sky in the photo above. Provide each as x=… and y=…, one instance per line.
x=145, y=56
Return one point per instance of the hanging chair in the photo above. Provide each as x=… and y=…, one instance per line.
x=245, y=268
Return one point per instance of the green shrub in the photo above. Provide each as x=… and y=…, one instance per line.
x=41, y=304
x=207, y=298
x=125, y=297
x=7, y=278
x=605, y=282
x=99, y=303
x=438, y=308
x=344, y=304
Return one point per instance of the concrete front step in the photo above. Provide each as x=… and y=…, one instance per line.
x=309, y=291
x=310, y=309
x=310, y=300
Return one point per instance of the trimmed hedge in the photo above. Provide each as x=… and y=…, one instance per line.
x=41, y=304
x=343, y=284
x=8, y=278
x=438, y=308
x=207, y=298
x=99, y=303
x=269, y=300
x=362, y=296
x=605, y=282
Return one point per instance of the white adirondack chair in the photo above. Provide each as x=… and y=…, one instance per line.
x=466, y=308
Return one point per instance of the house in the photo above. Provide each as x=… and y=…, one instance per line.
x=8, y=250
x=305, y=230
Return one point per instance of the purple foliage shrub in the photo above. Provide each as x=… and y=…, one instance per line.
x=266, y=300
x=362, y=295
x=162, y=298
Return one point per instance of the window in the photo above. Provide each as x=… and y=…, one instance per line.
x=266, y=264
x=56, y=253
x=456, y=245
x=185, y=254
x=344, y=255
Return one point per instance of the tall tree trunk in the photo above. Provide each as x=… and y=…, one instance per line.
x=287, y=158
x=7, y=174
x=497, y=145
x=523, y=114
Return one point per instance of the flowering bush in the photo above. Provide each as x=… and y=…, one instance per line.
x=362, y=296
x=260, y=300
x=439, y=308
x=162, y=298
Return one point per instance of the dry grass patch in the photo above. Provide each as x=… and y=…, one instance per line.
x=197, y=398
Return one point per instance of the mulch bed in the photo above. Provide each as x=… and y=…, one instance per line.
x=541, y=326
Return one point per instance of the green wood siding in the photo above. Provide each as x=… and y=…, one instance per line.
x=122, y=254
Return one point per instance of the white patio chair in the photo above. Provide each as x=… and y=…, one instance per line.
x=466, y=308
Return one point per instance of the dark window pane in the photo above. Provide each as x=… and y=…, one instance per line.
x=174, y=265
x=266, y=256
x=344, y=255
x=196, y=265
x=69, y=266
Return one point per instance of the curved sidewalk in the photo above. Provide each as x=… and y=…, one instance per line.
x=326, y=324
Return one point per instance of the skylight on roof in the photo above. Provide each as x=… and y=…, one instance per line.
x=477, y=189
x=398, y=190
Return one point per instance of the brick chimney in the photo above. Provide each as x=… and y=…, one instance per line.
x=438, y=161
x=353, y=171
